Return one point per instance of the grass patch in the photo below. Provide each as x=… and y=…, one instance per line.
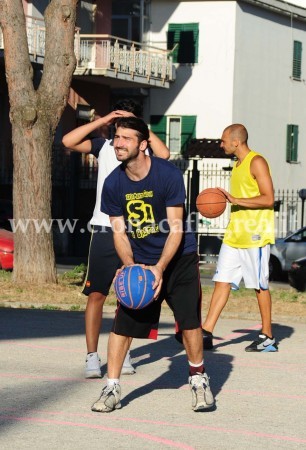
x=51, y=307
x=75, y=308
x=5, y=275
x=75, y=276
x=67, y=295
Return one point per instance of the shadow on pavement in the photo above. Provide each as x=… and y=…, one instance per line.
x=247, y=336
x=35, y=323
x=218, y=366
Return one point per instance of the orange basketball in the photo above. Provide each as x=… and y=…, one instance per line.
x=211, y=203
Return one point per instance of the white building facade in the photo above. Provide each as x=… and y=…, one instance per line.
x=237, y=62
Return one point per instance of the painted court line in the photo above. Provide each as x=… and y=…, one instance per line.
x=153, y=422
x=44, y=347
x=136, y=434
x=48, y=378
x=158, y=386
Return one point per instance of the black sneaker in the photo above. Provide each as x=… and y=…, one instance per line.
x=263, y=344
x=207, y=340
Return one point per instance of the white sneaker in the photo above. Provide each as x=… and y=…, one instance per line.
x=202, y=397
x=127, y=368
x=93, y=366
x=109, y=399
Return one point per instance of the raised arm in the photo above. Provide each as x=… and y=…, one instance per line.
x=158, y=147
x=76, y=139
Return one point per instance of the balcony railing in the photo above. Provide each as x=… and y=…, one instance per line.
x=105, y=52
x=35, y=35
x=102, y=54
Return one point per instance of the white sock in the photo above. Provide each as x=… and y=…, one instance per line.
x=112, y=381
x=196, y=365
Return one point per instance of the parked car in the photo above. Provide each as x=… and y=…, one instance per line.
x=297, y=274
x=285, y=251
x=6, y=249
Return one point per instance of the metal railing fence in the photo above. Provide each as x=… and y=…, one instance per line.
x=74, y=173
x=100, y=52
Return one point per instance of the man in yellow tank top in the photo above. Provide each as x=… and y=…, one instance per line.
x=245, y=250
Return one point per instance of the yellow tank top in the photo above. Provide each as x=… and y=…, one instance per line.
x=248, y=227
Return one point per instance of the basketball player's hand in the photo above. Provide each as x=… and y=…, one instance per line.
x=124, y=113
x=158, y=274
x=228, y=196
x=123, y=267
x=112, y=117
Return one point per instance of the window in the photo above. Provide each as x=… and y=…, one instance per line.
x=186, y=38
x=175, y=131
x=174, y=134
x=130, y=19
x=292, y=143
x=297, y=60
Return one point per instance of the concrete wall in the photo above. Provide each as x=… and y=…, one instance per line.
x=243, y=75
x=204, y=89
x=265, y=97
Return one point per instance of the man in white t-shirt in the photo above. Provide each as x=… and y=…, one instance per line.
x=103, y=260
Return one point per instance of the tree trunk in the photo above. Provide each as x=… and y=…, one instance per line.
x=34, y=116
x=34, y=257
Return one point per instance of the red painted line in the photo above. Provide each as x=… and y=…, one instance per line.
x=231, y=335
x=183, y=387
x=153, y=422
x=45, y=347
x=263, y=394
x=136, y=434
x=41, y=377
x=269, y=365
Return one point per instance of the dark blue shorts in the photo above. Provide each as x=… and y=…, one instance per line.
x=182, y=291
x=103, y=261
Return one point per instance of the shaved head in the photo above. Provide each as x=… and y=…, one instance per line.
x=237, y=131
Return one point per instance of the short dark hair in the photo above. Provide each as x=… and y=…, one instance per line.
x=137, y=124
x=129, y=105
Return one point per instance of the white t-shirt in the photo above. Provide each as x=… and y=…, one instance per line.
x=104, y=151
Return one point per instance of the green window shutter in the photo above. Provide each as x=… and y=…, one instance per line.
x=186, y=36
x=158, y=125
x=173, y=38
x=188, y=130
x=297, y=60
x=292, y=143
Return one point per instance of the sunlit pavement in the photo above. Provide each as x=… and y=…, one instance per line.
x=45, y=400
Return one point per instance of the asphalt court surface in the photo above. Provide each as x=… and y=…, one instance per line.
x=45, y=400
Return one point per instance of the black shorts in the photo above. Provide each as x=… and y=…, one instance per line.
x=103, y=261
x=182, y=291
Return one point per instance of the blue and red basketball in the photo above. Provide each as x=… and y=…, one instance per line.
x=133, y=287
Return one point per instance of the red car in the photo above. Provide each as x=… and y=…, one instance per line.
x=6, y=249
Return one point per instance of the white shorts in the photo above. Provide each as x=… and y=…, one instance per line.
x=251, y=264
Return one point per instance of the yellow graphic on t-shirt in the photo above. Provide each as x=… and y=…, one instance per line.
x=141, y=217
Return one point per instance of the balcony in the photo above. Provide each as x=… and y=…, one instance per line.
x=126, y=60
x=120, y=60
